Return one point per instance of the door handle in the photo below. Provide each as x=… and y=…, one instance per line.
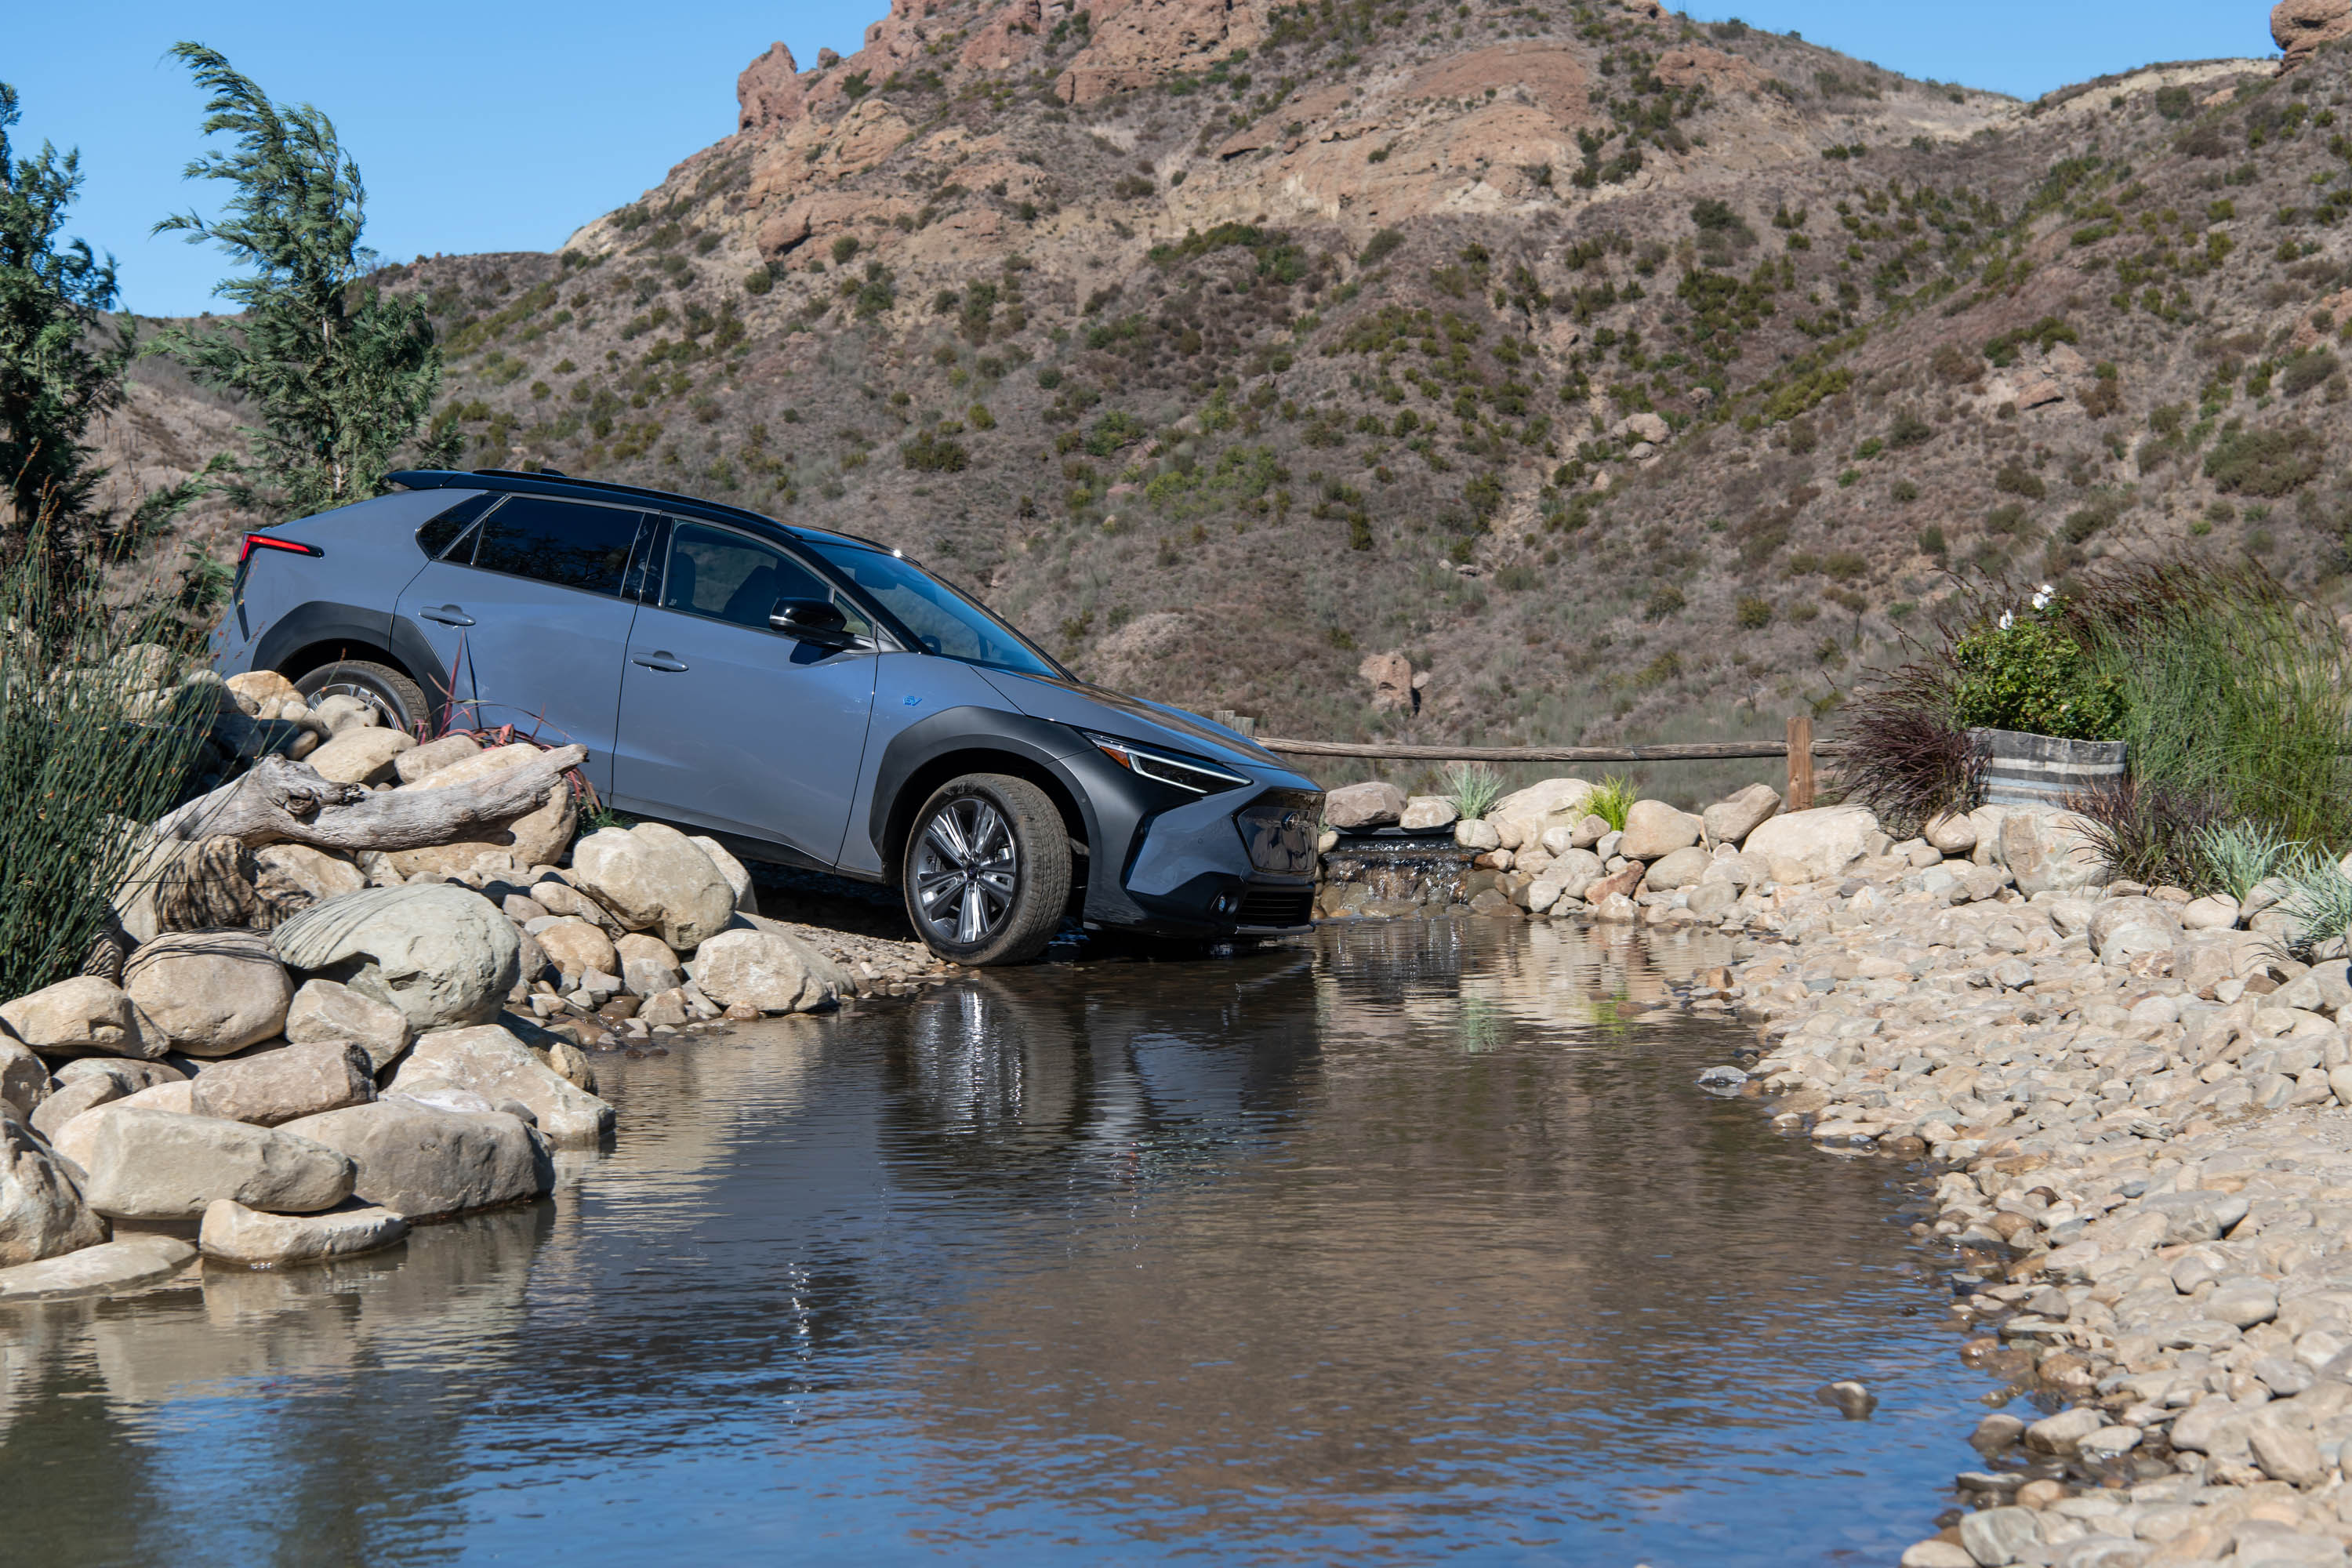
x=658, y=659
x=447, y=614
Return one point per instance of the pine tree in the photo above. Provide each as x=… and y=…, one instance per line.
x=342, y=373
x=62, y=359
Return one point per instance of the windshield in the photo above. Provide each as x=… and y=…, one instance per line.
x=942, y=620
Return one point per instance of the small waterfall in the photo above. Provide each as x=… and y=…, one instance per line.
x=1380, y=874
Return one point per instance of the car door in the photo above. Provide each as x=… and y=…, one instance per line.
x=527, y=613
x=727, y=723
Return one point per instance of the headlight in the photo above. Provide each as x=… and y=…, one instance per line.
x=1187, y=774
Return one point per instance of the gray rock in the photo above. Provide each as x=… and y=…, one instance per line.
x=295, y=876
x=2243, y=1302
x=1477, y=833
x=324, y=1011
x=1655, y=829
x=654, y=878
x=647, y=966
x=2287, y=1454
x=1425, y=811
x=1709, y=899
x=1997, y=1433
x=1677, y=868
x=208, y=993
x=98, y=1271
x=84, y=1016
x=2124, y=928
x=441, y=955
x=2049, y=852
x=1824, y=841
x=363, y=755
x=271, y=1087
x=2062, y=1433
x=1995, y=1536
x=154, y=1164
x=85, y=1092
x=767, y=970
x=423, y=1162
x=42, y=1212
x=493, y=1064
x=433, y=756
x=1360, y=807
x=1937, y=1552
x=1725, y=1079
x=1733, y=818
x=24, y=1078
x=236, y=1234
x=575, y=947
x=1952, y=834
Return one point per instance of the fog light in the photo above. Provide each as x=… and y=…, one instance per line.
x=1225, y=904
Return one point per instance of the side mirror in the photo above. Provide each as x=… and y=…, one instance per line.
x=817, y=621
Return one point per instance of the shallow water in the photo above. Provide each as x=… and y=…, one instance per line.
x=1409, y=1244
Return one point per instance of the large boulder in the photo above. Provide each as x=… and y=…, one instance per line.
x=654, y=878
x=208, y=993
x=1425, y=812
x=1676, y=868
x=361, y=754
x=2050, y=852
x=767, y=970
x=576, y=948
x=441, y=955
x=84, y=1016
x=1362, y=808
x=739, y=877
x=85, y=1092
x=1522, y=816
x=324, y=1011
x=492, y=1063
x=42, y=1212
x=435, y=755
x=233, y=1233
x=154, y=1164
x=1824, y=841
x=536, y=838
x=23, y=1078
x=2300, y=27
x=425, y=1163
x=1731, y=819
x=1655, y=829
x=270, y=1088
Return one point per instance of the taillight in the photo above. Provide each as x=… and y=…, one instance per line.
x=254, y=542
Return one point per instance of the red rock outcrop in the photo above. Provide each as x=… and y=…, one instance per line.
x=1553, y=78
x=1135, y=43
x=1006, y=39
x=768, y=91
x=2300, y=27
x=1712, y=69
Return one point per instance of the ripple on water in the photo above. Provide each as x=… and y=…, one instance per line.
x=1417, y=1241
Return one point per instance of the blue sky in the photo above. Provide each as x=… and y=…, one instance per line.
x=503, y=126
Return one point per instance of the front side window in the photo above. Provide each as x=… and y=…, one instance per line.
x=941, y=619
x=730, y=576
x=570, y=546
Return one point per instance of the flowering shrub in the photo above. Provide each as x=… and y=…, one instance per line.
x=2031, y=673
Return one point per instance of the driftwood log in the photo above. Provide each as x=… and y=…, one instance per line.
x=281, y=801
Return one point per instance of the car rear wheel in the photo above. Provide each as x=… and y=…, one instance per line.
x=399, y=702
x=987, y=870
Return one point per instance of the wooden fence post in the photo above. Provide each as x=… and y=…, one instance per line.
x=1800, y=761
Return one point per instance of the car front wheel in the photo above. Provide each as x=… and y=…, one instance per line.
x=987, y=870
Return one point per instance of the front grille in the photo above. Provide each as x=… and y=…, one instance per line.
x=1276, y=907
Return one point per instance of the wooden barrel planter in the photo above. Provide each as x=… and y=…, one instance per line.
x=2042, y=772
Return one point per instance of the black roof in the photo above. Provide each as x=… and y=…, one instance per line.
x=553, y=484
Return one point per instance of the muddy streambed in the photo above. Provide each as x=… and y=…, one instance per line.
x=1409, y=1242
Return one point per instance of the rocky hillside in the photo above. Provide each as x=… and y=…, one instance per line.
x=1628, y=376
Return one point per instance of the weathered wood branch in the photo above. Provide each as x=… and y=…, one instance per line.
x=284, y=802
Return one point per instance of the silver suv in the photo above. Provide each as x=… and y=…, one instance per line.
x=809, y=698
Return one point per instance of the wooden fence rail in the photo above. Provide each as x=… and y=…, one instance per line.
x=1800, y=748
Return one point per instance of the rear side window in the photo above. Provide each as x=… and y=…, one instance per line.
x=572, y=546
x=436, y=536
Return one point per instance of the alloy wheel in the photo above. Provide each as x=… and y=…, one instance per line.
x=966, y=871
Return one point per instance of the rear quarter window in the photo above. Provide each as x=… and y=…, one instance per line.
x=435, y=537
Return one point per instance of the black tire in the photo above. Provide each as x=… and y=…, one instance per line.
x=399, y=702
x=986, y=871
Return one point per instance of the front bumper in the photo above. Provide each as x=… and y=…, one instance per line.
x=1170, y=864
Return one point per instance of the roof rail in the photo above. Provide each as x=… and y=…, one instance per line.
x=552, y=482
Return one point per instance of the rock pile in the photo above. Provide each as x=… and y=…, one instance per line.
x=379, y=1036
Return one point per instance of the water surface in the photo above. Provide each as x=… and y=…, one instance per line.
x=1415, y=1243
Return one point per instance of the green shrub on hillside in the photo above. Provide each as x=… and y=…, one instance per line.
x=2268, y=463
